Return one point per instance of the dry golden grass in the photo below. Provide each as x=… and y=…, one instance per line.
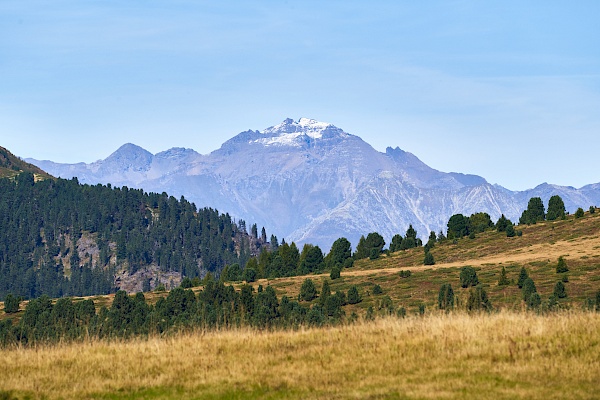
x=500, y=356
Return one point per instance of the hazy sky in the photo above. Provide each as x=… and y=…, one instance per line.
x=509, y=90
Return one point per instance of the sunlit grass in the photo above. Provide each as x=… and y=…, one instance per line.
x=503, y=355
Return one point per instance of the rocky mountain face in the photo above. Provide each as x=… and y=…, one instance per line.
x=309, y=181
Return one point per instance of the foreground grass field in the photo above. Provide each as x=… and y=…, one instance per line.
x=501, y=356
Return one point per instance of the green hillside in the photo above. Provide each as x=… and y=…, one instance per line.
x=394, y=284
x=61, y=238
x=11, y=166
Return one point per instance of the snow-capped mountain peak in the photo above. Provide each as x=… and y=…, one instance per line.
x=309, y=181
x=296, y=133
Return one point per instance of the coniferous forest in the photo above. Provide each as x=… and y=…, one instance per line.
x=61, y=238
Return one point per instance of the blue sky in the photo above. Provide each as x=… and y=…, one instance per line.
x=508, y=90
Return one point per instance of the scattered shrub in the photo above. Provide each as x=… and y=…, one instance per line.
x=325, y=293
x=579, y=213
x=552, y=302
x=353, y=295
x=478, y=300
x=522, y=277
x=335, y=273
x=315, y=316
x=510, y=231
x=386, y=304
x=528, y=289
x=592, y=209
x=377, y=289
x=468, y=277
x=428, y=259
x=534, y=301
x=405, y=274
x=11, y=304
x=503, y=281
x=446, y=297
x=559, y=290
x=370, y=315
x=561, y=267
x=308, y=291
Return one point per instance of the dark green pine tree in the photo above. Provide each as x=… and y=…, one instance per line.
x=11, y=304
x=510, y=231
x=502, y=223
x=308, y=291
x=561, y=266
x=528, y=289
x=353, y=295
x=559, y=290
x=556, y=208
x=523, y=275
x=458, y=226
x=340, y=251
x=468, y=277
x=535, y=212
x=428, y=259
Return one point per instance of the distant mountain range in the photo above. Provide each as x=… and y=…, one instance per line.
x=309, y=181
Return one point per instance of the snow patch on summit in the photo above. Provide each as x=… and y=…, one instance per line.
x=291, y=133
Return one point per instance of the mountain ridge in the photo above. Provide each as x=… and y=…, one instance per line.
x=310, y=181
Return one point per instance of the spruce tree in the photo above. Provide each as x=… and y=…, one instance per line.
x=428, y=259
x=11, y=304
x=556, y=208
x=325, y=293
x=353, y=295
x=308, y=291
x=561, y=266
x=559, y=290
x=522, y=277
x=502, y=223
x=510, y=231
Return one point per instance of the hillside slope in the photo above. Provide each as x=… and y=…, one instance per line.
x=58, y=237
x=577, y=240
x=11, y=166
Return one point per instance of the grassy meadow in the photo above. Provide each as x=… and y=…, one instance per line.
x=509, y=353
x=501, y=355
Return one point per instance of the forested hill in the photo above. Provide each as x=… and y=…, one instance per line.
x=58, y=237
x=10, y=166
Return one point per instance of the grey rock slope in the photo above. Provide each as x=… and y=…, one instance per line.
x=309, y=181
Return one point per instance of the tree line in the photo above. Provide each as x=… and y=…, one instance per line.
x=216, y=306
